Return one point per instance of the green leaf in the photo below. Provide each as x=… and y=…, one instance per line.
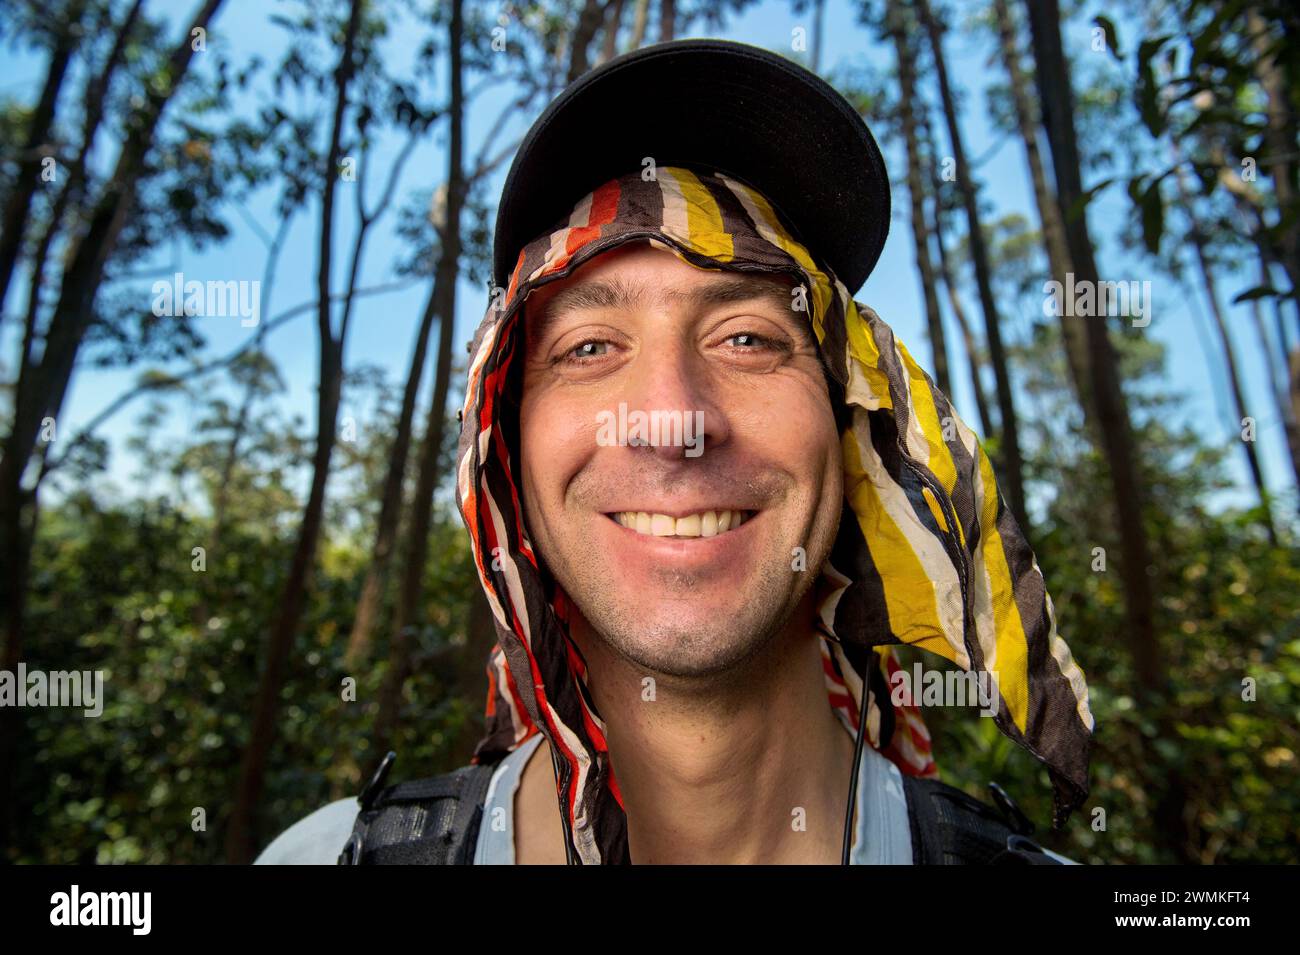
x=1136, y=188
x=1148, y=100
x=1091, y=192
x=1205, y=41
x=1259, y=291
x=1153, y=217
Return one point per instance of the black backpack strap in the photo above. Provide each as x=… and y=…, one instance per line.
x=951, y=828
x=432, y=821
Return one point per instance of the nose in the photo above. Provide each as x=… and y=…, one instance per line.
x=670, y=383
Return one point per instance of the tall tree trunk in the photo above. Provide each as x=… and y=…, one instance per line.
x=417, y=544
x=916, y=191
x=372, y=590
x=583, y=33
x=1279, y=386
x=974, y=364
x=1293, y=363
x=667, y=20
x=1049, y=213
x=818, y=20
x=1268, y=352
x=240, y=836
x=1281, y=377
x=1012, y=470
x=639, y=21
x=1197, y=236
x=1248, y=204
x=221, y=501
x=41, y=387
x=18, y=207
x=1280, y=137
x=935, y=226
x=468, y=673
x=1112, y=420
x=93, y=96
x=613, y=21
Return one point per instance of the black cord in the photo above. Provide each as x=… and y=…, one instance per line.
x=853, y=781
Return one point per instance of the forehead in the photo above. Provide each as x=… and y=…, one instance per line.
x=639, y=275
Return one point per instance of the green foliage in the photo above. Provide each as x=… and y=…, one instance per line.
x=114, y=588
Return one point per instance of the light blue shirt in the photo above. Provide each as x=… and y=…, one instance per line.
x=881, y=834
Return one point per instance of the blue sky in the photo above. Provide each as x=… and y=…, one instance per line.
x=383, y=327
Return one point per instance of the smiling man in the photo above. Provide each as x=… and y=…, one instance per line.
x=693, y=660
x=682, y=568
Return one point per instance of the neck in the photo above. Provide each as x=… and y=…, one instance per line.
x=750, y=766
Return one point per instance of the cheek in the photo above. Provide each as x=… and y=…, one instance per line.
x=557, y=437
x=791, y=421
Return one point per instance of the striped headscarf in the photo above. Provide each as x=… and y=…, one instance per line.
x=927, y=553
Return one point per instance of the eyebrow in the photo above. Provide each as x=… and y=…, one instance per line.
x=601, y=294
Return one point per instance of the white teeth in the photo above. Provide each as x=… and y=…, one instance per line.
x=702, y=524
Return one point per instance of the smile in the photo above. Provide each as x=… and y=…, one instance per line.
x=699, y=524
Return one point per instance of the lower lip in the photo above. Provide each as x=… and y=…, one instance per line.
x=679, y=552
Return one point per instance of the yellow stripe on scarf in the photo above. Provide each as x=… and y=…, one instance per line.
x=686, y=198
x=1012, y=649
x=914, y=613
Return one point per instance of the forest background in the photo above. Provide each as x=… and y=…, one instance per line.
x=249, y=528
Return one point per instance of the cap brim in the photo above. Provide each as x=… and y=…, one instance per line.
x=720, y=105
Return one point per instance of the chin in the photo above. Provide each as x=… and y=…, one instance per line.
x=695, y=637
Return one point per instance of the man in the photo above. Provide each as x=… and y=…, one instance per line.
x=706, y=490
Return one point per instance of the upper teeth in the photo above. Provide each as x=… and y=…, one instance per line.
x=703, y=524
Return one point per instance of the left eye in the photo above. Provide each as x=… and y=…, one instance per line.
x=748, y=340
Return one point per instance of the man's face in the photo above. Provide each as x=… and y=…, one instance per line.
x=646, y=540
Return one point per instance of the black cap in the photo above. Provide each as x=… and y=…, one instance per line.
x=720, y=106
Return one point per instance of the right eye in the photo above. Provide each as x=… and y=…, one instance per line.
x=588, y=350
